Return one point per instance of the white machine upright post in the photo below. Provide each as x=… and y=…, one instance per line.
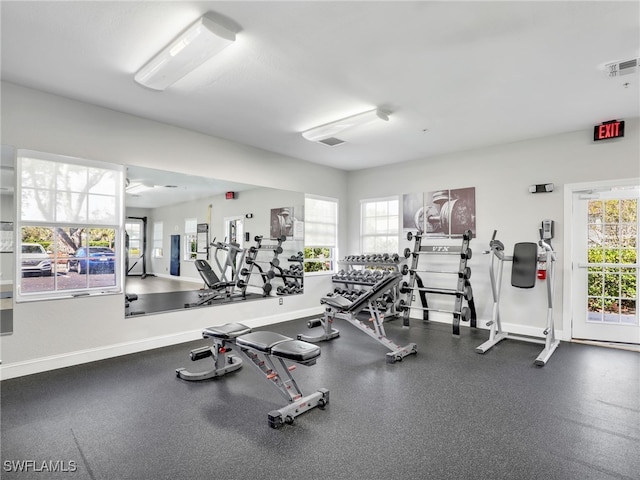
x=496, y=334
x=551, y=343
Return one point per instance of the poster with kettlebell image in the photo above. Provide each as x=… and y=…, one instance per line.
x=446, y=213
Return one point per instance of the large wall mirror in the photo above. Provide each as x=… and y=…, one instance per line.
x=7, y=181
x=189, y=242
x=197, y=241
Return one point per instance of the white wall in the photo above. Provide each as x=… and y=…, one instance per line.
x=64, y=332
x=501, y=176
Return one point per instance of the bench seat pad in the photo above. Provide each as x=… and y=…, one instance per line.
x=296, y=350
x=338, y=302
x=261, y=341
x=228, y=331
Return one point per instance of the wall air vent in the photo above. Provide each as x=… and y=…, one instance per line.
x=626, y=67
x=331, y=141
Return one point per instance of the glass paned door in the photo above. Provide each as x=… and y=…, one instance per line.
x=605, y=264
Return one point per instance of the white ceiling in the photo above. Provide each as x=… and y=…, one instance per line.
x=170, y=188
x=471, y=74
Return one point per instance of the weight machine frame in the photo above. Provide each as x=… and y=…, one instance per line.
x=497, y=334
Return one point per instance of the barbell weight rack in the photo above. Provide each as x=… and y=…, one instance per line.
x=464, y=313
x=273, y=262
x=267, y=273
x=439, y=250
x=466, y=292
x=467, y=235
x=465, y=273
x=462, y=291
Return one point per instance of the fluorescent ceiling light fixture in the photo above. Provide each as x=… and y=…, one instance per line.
x=329, y=130
x=197, y=44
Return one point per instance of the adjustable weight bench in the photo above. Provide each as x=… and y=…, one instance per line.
x=340, y=307
x=268, y=352
x=215, y=287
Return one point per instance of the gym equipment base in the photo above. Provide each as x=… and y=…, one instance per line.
x=288, y=413
x=542, y=358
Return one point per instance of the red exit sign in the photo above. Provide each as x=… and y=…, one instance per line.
x=610, y=129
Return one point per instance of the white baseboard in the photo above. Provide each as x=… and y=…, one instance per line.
x=53, y=362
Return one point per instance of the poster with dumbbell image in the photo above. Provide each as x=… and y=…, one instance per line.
x=449, y=213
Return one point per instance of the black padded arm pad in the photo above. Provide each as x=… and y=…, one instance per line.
x=525, y=264
x=338, y=302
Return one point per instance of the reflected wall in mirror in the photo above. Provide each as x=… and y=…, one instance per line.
x=7, y=183
x=196, y=241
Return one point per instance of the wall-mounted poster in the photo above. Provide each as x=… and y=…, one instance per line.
x=449, y=213
x=412, y=218
x=285, y=222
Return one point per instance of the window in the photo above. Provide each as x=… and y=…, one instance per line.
x=320, y=234
x=157, y=240
x=379, y=228
x=190, y=238
x=69, y=224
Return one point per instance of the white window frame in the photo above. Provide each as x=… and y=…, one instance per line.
x=333, y=249
x=389, y=234
x=53, y=221
x=158, y=245
x=190, y=239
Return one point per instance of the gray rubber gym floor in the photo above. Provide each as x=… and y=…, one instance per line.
x=445, y=413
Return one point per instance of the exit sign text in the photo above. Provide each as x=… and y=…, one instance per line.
x=611, y=129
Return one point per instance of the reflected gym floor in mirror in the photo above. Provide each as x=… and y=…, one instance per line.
x=445, y=413
x=157, y=294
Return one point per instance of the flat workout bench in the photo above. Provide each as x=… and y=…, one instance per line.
x=340, y=307
x=261, y=348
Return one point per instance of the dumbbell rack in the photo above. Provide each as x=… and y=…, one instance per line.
x=266, y=274
x=293, y=278
x=462, y=291
x=351, y=279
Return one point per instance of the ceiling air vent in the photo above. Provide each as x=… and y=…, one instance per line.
x=617, y=69
x=331, y=141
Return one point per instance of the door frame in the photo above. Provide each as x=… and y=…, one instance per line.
x=567, y=285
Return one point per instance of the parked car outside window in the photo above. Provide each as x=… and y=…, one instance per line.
x=92, y=260
x=35, y=259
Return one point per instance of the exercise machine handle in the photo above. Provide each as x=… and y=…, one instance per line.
x=494, y=244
